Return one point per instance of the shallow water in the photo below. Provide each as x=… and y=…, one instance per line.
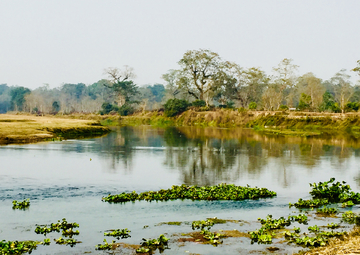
x=67, y=180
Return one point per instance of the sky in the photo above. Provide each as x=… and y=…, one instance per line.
x=73, y=41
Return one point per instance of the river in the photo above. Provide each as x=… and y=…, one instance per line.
x=67, y=179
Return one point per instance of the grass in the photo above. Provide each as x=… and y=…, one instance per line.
x=27, y=128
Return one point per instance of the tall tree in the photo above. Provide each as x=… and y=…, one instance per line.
x=312, y=86
x=285, y=78
x=122, y=84
x=18, y=97
x=343, y=89
x=202, y=72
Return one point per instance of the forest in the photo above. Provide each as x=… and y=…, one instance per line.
x=203, y=79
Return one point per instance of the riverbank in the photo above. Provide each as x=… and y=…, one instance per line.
x=275, y=122
x=20, y=129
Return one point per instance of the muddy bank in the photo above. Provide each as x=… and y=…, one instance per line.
x=20, y=129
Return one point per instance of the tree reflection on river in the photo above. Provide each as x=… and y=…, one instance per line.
x=205, y=156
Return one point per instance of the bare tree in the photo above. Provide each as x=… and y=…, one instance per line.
x=343, y=89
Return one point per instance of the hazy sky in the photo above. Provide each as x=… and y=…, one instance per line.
x=72, y=41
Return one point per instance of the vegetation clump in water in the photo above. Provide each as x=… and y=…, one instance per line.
x=151, y=245
x=66, y=227
x=119, y=233
x=17, y=247
x=21, y=205
x=218, y=192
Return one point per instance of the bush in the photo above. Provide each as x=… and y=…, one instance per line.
x=175, y=106
x=199, y=103
x=252, y=106
x=283, y=107
x=107, y=108
x=125, y=110
x=352, y=107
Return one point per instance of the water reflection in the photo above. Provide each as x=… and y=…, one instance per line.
x=207, y=156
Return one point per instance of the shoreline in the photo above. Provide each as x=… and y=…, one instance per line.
x=22, y=129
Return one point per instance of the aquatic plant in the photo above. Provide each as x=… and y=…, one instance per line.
x=314, y=228
x=310, y=241
x=310, y=203
x=105, y=246
x=66, y=227
x=21, y=205
x=119, y=233
x=46, y=241
x=261, y=236
x=326, y=211
x=301, y=218
x=17, y=247
x=347, y=204
x=218, y=192
x=349, y=217
x=270, y=223
x=333, y=225
x=202, y=224
x=212, y=238
x=70, y=241
x=151, y=245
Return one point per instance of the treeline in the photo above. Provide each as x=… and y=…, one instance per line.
x=203, y=79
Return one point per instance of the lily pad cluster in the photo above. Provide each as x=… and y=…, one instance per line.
x=217, y=192
x=21, y=204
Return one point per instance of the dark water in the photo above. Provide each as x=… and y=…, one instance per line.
x=67, y=180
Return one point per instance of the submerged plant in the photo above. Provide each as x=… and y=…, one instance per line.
x=21, y=205
x=218, y=192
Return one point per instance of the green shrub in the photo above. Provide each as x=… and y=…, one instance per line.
x=106, y=108
x=126, y=110
x=175, y=106
x=252, y=106
x=199, y=103
x=283, y=107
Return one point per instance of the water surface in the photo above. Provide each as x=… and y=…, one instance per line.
x=67, y=180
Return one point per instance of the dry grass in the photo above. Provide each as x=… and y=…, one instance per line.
x=27, y=128
x=349, y=244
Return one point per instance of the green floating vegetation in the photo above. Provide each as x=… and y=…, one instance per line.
x=326, y=211
x=328, y=192
x=347, y=204
x=351, y=218
x=265, y=233
x=21, y=205
x=218, y=192
x=17, y=247
x=333, y=225
x=314, y=229
x=150, y=245
x=66, y=227
x=202, y=224
x=205, y=226
x=119, y=233
x=105, y=246
x=70, y=241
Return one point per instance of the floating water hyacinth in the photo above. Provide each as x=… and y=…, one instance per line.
x=218, y=192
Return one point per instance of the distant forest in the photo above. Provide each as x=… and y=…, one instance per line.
x=203, y=79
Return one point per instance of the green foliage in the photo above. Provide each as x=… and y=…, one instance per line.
x=347, y=204
x=333, y=225
x=327, y=211
x=311, y=203
x=126, y=109
x=305, y=101
x=151, y=245
x=218, y=192
x=175, y=106
x=119, y=233
x=55, y=107
x=352, y=106
x=46, y=241
x=252, y=106
x=199, y=103
x=17, y=247
x=202, y=224
x=283, y=107
x=70, y=241
x=212, y=238
x=335, y=192
x=21, y=205
x=66, y=227
x=314, y=228
x=261, y=236
x=18, y=98
x=107, y=108
x=105, y=246
x=270, y=223
x=349, y=217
